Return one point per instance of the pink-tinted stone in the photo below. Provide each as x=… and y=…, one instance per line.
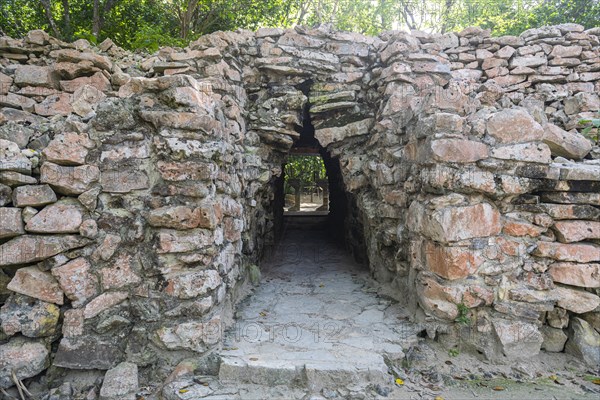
x=57, y=104
x=183, y=217
x=77, y=281
x=514, y=126
x=33, y=195
x=32, y=75
x=26, y=358
x=583, y=275
x=62, y=217
x=576, y=231
x=514, y=227
x=192, y=284
x=450, y=224
x=526, y=152
x=578, y=301
x=566, y=51
x=108, y=247
x=103, y=302
x=451, y=262
x=124, y=180
x=74, y=56
x=121, y=273
x=11, y=222
x=566, y=144
x=69, y=180
x=458, y=150
x=98, y=80
x=582, y=253
x=73, y=323
x=31, y=248
x=184, y=171
x=32, y=282
x=172, y=241
x=68, y=149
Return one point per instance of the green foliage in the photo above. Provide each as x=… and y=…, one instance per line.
x=593, y=130
x=151, y=38
x=149, y=24
x=463, y=314
x=306, y=169
x=454, y=352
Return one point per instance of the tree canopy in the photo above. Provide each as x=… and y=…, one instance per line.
x=152, y=23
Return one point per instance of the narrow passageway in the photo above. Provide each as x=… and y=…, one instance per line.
x=314, y=320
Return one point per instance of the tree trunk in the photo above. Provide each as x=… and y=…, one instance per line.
x=96, y=19
x=48, y=11
x=66, y=19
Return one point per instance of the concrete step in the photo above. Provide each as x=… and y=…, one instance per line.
x=313, y=375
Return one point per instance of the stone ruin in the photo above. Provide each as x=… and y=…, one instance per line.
x=138, y=192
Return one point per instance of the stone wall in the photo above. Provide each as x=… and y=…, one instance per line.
x=137, y=192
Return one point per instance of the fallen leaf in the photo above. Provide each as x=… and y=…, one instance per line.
x=253, y=359
x=399, y=381
x=499, y=388
x=321, y=285
x=596, y=381
x=262, y=314
x=183, y=390
x=438, y=398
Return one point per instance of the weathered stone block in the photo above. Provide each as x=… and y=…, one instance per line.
x=578, y=301
x=583, y=275
x=584, y=342
x=566, y=144
x=69, y=180
x=526, y=152
x=121, y=273
x=576, y=231
x=11, y=158
x=582, y=253
x=103, y=302
x=514, y=126
x=554, y=339
x=68, y=149
x=451, y=224
x=11, y=222
x=458, y=150
x=65, y=216
x=32, y=75
x=195, y=336
x=519, y=340
x=451, y=262
x=172, y=241
x=183, y=217
x=33, y=195
x=327, y=136
x=77, y=280
x=32, y=282
x=25, y=357
x=120, y=382
x=33, y=318
x=192, y=284
x=87, y=352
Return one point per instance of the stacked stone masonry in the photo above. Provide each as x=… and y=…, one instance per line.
x=136, y=192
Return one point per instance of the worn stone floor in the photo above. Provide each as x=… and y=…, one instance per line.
x=314, y=321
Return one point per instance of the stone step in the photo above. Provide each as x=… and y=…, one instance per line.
x=311, y=374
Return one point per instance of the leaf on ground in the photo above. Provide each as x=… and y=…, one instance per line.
x=399, y=381
x=438, y=398
x=499, y=388
x=262, y=314
x=253, y=358
x=183, y=390
x=596, y=381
